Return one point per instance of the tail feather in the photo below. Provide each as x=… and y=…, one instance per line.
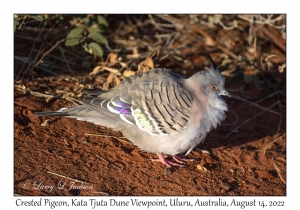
x=85, y=113
x=43, y=114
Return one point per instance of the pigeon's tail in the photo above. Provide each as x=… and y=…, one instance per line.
x=59, y=113
x=101, y=117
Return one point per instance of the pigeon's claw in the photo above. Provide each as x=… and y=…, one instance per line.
x=178, y=161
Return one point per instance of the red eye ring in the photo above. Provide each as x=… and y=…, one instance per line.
x=214, y=87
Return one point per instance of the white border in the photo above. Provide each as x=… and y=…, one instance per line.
x=153, y=6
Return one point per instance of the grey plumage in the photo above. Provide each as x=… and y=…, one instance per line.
x=159, y=111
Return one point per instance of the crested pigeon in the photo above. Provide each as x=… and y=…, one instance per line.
x=159, y=111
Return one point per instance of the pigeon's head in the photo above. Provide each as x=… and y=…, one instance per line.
x=213, y=83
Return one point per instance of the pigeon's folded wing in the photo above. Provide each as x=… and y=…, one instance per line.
x=160, y=107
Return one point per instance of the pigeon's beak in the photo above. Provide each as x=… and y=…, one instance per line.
x=225, y=93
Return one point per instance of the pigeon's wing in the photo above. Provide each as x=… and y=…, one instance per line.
x=159, y=106
x=155, y=101
x=94, y=92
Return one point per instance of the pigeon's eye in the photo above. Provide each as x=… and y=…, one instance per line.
x=214, y=87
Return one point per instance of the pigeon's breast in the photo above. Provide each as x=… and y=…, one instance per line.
x=181, y=142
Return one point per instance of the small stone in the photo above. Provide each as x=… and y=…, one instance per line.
x=225, y=186
x=202, y=168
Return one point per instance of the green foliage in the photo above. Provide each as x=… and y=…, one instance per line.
x=16, y=24
x=74, y=37
x=39, y=18
x=102, y=22
x=89, y=27
x=98, y=37
x=95, y=48
x=19, y=20
x=85, y=21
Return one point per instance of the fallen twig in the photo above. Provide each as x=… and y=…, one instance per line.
x=77, y=180
x=267, y=147
x=279, y=174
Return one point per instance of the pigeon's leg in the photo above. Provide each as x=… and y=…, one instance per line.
x=168, y=163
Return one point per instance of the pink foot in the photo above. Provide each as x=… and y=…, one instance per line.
x=180, y=161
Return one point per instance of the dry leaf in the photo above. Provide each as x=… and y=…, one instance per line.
x=68, y=94
x=96, y=70
x=113, y=70
x=46, y=123
x=109, y=80
x=116, y=80
x=112, y=57
x=123, y=65
x=78, y=87
x=149, y=62
x=269, y=64
x=281, y=68
x=135, y=51
x=146, y=65
x=128, y=73
x=209, y=41
x=48, y=99
x=57, y=91
x=20, y=87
